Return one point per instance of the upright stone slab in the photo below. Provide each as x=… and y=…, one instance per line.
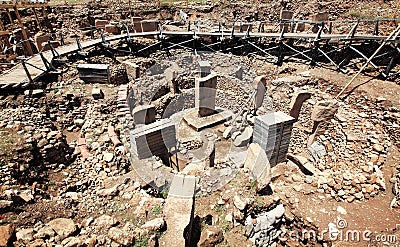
x=297, y=102
x=179, y=212
x=258, y=165
x=320, y=17
x=170, y=76
x=153, y=139
x=300, y=27
x=149, y=25
x=205, y=95
x=285, y=15
x=259, y=85
x=272, y=132
x=144, y=114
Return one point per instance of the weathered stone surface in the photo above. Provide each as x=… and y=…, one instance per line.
x=239, y=203
x=259, y=167
x=244, y=138
x=105, y=221
x=256, y=229
x=101, y=23
x=210, y=237
x=45, y=232
x=154, y=225
x=109, y=191
x=37, y=243
x=6, y=233
x=25, y=235
x=41, y=38
x=113, y=29
x=63, y=227
x=324, y=110
x=227, y=132
x=120, y=236
x=304, y=164
x=5, y=204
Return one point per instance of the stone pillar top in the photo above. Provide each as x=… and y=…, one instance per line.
x=205, y=68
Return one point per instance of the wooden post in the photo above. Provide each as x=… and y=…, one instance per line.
x=24, y=34
x=9, y=16
x=37, y=19
x=44, y=12
x=1, y=26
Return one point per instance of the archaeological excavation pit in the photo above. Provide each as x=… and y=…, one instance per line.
x=199, y=123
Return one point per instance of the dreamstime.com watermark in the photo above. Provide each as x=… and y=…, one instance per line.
x=340, y=232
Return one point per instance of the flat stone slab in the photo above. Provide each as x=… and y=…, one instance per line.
x=199, y=123
x=178, y=211
x=182, y=186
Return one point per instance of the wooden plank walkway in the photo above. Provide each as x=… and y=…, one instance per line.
x=16, y=76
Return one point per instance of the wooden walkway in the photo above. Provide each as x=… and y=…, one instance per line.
x=16, y=77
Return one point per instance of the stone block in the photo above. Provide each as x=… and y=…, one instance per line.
x=137, y=25
x=320, y=17
x=272, y=132
x=170, y=76
x=97, y=93
x=54, y=44
x=6, y=234
x=324, y=110
x=257, y=162
x=112, y=29
x=286, y=14
x=101, y=23
x=244, y=138
x=205, y=68
x=149, y=25
x=132, y=70
x=300, y=27
x=144, y=114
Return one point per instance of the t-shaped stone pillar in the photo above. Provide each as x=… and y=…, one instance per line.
x=205, y=95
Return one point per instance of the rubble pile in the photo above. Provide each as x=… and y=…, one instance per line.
x=44, y=146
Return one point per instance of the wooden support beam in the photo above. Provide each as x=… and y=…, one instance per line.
x=9, y=16
x=37, y=19
x=24, y=34
x=44, y=12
